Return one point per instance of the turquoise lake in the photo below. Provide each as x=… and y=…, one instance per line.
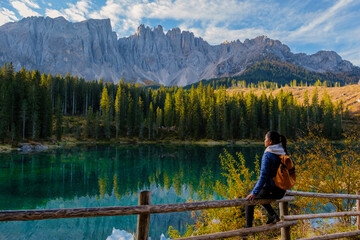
x=105, y=175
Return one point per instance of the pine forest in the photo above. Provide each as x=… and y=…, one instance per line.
x=39, y=106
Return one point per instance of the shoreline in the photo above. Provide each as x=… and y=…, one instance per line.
x=68, y=143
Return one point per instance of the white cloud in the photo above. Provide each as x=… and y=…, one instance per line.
x=215, y=35
x=203, y=10
x=75, y=12
x=7, y=16
x=316, y=25
x=78, y=11
x=111, y=10
x=53, y=13
x=31, y=4
x=23, y=9
x=352, y=55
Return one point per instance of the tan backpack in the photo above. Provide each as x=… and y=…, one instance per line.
x=285, y=177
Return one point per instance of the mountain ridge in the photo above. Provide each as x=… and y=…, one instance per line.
x=90, y=49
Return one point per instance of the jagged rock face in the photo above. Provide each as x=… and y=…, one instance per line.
x=177, y=58
x=86, y=49
x=91, y=50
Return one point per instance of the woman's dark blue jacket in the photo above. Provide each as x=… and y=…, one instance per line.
x=269, y=164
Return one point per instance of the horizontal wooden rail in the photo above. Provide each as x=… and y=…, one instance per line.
x=322, y=195
x=241, y=232
x=319, y=215
x=334, y=236
x=42, y=214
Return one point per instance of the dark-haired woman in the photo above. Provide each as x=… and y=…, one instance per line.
x=265, y=187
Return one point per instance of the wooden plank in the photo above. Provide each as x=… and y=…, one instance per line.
x=358, y=209
x=284, y=211
x=241, y=232
x=322, y=195
x=319, y=215
x=334, y=236
x=143, y=223
x=41, y=214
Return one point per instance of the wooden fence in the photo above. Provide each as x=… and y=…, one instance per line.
x=144, y=209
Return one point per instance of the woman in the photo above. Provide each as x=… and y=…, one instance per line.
x=265, y=187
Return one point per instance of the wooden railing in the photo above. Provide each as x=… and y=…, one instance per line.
x=327, y=215
x=144, y=209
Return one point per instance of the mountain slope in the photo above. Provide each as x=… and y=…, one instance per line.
x=90, y=49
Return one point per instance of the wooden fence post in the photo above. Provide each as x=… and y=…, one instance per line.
x=284, y=210
x=358, y=209
x=143, y=223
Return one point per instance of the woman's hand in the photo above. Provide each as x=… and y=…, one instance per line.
x=250, y=197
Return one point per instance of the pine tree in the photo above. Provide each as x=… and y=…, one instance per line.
x=104, y=102
x=140, y=117
x=264, y=113
x=180, y=112
x=24, y=107
x=159, y=119
x=328, y=115
x=150, y=120
x=35, y=98
x=193, y=123
x=89, y=128
x=105, y=105
x=58, y=126
x=315, y=106
x=168, y=111
x=130, y=116
x=118, y=110
x=97, y=125
x=306, y=103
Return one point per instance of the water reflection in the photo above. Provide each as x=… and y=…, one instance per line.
x=106, y=176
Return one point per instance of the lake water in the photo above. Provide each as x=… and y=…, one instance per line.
x=99, y=176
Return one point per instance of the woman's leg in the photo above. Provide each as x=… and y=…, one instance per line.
x=265, y=193
x=249, y=215
x=271, y=193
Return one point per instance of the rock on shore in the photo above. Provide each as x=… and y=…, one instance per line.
x=36, y=147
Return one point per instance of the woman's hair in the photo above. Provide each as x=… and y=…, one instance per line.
x=276, y=138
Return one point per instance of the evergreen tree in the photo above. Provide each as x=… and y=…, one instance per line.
x=315, y=106
x=140, y=117
x=159, y=119
x=306, y=103
x=89, y=125
x=130, y=117
x=59, y=120
x=24, y=107
x=150, y=121
x=328, y=116
x=168, y=111
x=118, y=111
x=180, y=112
x=105, y=104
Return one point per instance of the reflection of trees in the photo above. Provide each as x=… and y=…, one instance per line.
x=101, y=170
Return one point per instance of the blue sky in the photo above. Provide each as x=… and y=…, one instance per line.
x=304, y=25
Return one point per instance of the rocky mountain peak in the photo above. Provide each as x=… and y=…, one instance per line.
x=90, y=49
